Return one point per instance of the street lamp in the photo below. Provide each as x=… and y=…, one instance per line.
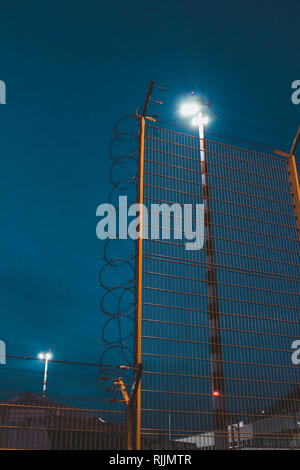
x=193, y=108
x=190, y=107
x=45, y=356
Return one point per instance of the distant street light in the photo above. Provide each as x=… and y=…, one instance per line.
x=45, y=356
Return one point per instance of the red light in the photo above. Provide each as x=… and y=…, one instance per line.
x=216, y=393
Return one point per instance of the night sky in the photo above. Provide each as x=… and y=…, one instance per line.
x=72, y=68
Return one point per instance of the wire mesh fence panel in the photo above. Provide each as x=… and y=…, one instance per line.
x=217, y=336
x=73, y=414
x=29, y=423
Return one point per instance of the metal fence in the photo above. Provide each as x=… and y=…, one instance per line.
x=73, y=415
x=218, y=323
x=31, y=423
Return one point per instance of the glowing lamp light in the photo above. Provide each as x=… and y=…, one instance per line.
x=216, y=393
x=197, y=120
x=189, y=109
x=47, y=355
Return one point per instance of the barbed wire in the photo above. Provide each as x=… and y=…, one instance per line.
x=117, y=330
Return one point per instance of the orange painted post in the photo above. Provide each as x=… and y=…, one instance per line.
x=140, y=283
x=295, y=188
x=294, y=180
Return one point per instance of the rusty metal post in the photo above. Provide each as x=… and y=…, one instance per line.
x=219, y=416
x=139, y=269
x=294, y=180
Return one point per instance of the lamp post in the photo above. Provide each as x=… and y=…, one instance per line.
x=45, y=356
x=193, y=108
